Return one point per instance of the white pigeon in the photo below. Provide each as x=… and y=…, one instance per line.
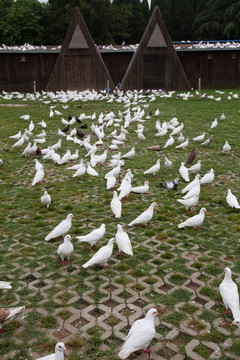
x=189, y=203
x=208, y=177
x=183, y=145
x=167, y=163
x=116, y=205
x=232, y=200
x=183, y=171
x=5, y=285
x=38, y=177
x=65, y=250
x=199, y=138
x=229, y=292
x=28, y=150
x=61, y=229
x=194, y=169
x=66, y=157
x=57, y=145
x=8, y=313
x=222, y=117
x=129, y=154
x=111, y=182
x=145, y=217
x=46, y=199
x=20, y=142
x=123, y=241
x=193, y=191
x=140, y=335
x=43, y=124
x=126, y=188
x=25, y=117
x=16, y=136
x=169, y=142
x=195, y=221
x=93, y=236
x=102, y=255
x=214, y=124
x=80, y=171
x=226, y=148
x=177, y=130
x=90, y=170
x=141, y=189
x=57, y=355
x=191, y=184
x=153, y=169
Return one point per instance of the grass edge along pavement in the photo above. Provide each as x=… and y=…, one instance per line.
x=176, y=270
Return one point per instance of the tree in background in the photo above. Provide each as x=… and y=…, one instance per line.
x=181, y=19
x=4, y=10
x=23, y=22
x=219, y=20
x=164, y=8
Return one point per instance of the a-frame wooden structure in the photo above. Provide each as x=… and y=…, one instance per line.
x=79, y=65
x=155, y=65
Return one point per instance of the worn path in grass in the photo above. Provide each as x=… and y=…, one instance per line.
x=176, y=271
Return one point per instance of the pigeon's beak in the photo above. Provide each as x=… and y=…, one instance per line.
x=232, y=323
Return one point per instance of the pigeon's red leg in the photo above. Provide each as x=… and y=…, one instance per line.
x=62, y=262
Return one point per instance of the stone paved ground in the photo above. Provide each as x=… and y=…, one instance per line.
x=91, y=310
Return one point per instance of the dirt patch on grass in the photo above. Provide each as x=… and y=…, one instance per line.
x=13, y=105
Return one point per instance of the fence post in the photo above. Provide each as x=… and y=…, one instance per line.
x=35, y=90
x=108, y=89
x=199, y=88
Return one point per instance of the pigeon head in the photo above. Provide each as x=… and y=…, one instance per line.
x=236, y=322
x=228, y=273
x=154, y=204
x=60, y=347
x=203, y=210
x=151, y=313
x=67, y=238
x=70, y=216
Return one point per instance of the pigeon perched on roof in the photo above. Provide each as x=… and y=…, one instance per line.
x=229, y=292
x=8, y=313
x=140, y=335
x=171, y=185
x=232, y=200
x=144, y=217
x=93, y=236
x=65, y=249
x=61, y=229
x=195, y=221
x=46, y=199
x=57, y=355
x=123, y=241
x=102, y=255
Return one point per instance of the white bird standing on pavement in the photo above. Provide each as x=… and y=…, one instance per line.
x=61, y=229
x=102, y=255
x=123, y=241
x=195, y=221
x=65, y=250
x=229, y=292
x=57, y=355
x=145, y=217
x=140, y=335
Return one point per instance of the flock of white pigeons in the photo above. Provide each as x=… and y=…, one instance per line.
x=115, y=127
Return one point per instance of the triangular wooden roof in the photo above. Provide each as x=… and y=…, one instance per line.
x=155, y=65
x=79, y=65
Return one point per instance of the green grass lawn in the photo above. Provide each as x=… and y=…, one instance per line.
x=164, y=256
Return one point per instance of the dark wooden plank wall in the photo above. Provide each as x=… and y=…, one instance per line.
x=18, y=75
x=217, y=69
